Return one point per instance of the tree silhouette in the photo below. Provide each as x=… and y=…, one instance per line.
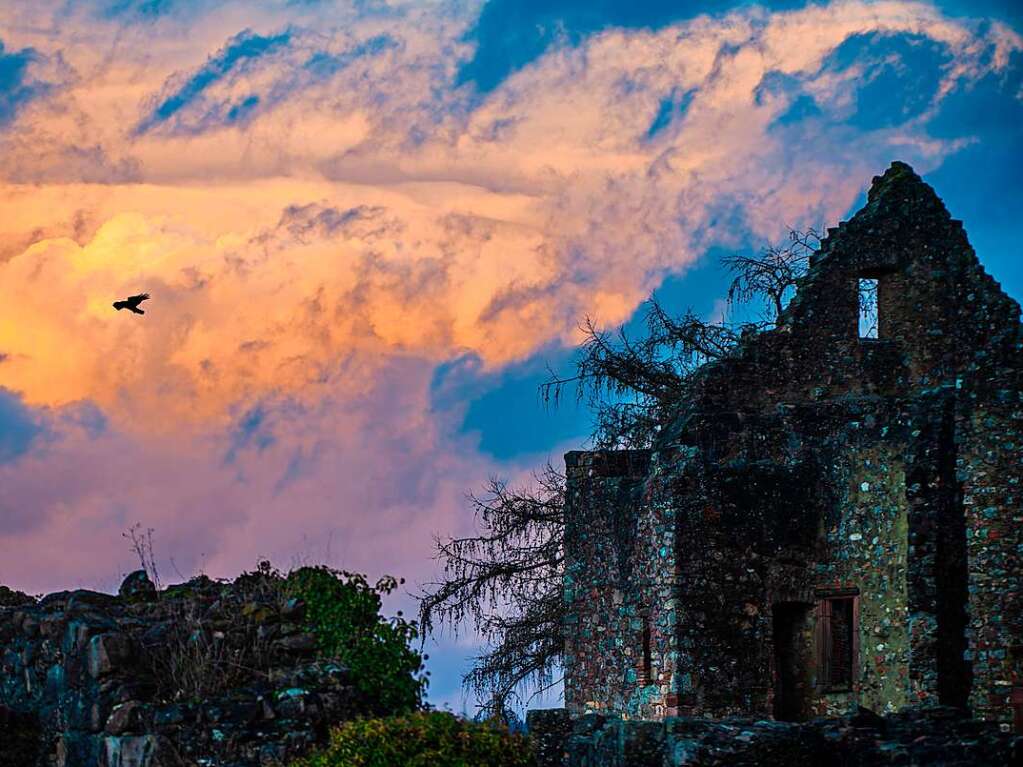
x=506, y=580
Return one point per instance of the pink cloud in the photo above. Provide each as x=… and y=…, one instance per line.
x=371, y=473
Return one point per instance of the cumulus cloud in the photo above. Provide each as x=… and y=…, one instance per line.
x=325, y=211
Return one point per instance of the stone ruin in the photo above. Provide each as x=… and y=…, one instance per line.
x=210, y=674
x=834, y=520
x=935, y=736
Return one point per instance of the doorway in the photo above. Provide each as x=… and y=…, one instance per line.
x=793, y=661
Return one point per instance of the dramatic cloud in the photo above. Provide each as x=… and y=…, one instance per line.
x=354, y=217
x=188, y=95
x=283, y=479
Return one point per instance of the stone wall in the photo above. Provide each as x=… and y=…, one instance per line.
x=209, y=673
x=798, y=504
x=867, y=547
x=813, y=462
x=915, y=736
x=602, y=585
x=739, y=531
x=989, y=425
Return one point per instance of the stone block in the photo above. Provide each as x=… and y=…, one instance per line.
x=137, y=585
x=107, y=654
x=139, y=751
x=549, y=730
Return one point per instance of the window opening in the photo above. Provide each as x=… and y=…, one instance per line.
x=837, y=632
x=868, y=307
x=647, y=670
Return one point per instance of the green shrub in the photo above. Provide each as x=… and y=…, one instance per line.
x=343, y=611
x=422, y=739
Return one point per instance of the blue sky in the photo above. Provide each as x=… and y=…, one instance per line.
x=979, y=183
x=509, y=34
x=16, y=86
x=18, y=426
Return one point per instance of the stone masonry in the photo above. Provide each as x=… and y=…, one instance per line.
x=932, y=735
x=205, y=674
x=834, y=520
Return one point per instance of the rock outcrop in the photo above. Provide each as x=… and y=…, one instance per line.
x=204, y=673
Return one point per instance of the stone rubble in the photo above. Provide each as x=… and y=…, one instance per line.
x=94, y=680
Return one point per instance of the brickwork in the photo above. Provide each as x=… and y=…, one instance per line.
x=810, y=466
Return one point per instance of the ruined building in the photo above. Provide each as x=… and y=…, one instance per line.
x=835, y=518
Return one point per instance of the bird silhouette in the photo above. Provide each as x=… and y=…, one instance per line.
x=132, y=303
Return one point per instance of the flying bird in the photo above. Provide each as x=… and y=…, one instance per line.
x=132, y=303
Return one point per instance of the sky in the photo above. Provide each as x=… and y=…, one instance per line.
x=369, y=228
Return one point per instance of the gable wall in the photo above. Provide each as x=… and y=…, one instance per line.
x=813, y=459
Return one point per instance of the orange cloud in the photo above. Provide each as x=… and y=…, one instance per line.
x=323, y=222
x=494, y=229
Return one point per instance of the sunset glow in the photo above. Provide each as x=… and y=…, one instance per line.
x=354, y=225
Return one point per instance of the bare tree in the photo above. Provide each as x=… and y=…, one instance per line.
x=772, y=275
x=633, y=385
x=506, y=580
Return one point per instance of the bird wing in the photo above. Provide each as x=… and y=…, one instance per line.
x=136, y=300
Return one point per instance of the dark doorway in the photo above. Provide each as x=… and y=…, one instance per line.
x=793, y=661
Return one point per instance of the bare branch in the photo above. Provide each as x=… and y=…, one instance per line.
x=506, y=579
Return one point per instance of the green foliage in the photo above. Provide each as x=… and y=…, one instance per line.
x=343, y=611
x=423, y=739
